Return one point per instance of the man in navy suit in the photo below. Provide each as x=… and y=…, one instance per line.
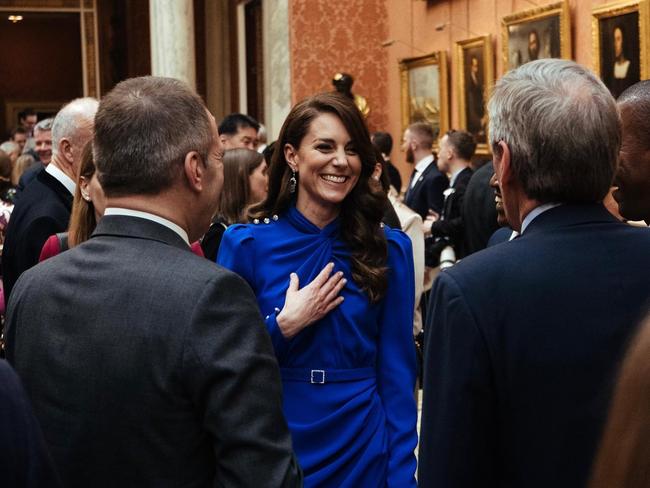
x=523, y=339
x=454, y=157
x=44, y=206
x=425, y=190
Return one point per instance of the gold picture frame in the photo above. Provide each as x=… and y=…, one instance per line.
x=425, y=91
x=626, y=23
x=551, y=26
x=474, y=61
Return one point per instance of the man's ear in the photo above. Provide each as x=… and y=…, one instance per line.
x=506, y=176
x=290, y=156
x=194, y=170
x=223, y=138
x=65, y=148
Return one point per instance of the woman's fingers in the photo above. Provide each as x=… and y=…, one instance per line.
x=332, y=305
x=322, y=277
x=330, y=284
x=332, y=294
x=294, y=282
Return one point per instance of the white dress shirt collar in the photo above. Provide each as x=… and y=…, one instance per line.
x=452, y=180
x=61, y=177
x=149, y=216
x=536, y=212
x=422, y=165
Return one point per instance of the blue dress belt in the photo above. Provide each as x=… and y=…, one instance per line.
x=322, y=376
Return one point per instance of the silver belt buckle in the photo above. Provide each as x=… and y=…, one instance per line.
x=317, y=376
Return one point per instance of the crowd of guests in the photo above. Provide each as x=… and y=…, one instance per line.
x=137, y=361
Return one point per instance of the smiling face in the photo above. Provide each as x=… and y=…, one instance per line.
x=328, y=168
x=43, y=142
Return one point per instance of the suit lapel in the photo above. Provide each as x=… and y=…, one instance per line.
x=57, y=187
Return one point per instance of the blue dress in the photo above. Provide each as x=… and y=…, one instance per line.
x=348, y=379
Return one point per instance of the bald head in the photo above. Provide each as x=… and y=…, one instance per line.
x=73, y=120
x=633, y=174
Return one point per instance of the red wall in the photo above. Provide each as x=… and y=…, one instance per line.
x=330, y=36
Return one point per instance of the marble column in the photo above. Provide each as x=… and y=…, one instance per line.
x=277, y=71
x=172, y=39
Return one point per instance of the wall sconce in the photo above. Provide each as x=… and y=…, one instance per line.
x=15, y=18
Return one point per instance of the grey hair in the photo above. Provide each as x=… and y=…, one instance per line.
x=9, y=147
x=44, y=125
x=79, y=112
x=562, y=129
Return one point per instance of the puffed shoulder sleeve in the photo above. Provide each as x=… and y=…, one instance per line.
x=237, y=252
x=396, y=363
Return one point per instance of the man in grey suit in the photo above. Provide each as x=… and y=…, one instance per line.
x=147, y=365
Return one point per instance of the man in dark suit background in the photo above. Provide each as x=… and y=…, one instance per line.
x=454, y=158
x=44, y=206
x=425, y=190
x=633, y=175
x=523, y=339
x=147, y=365
x=479, y=212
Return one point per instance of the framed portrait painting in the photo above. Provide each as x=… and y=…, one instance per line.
x=425, y=91
x=541, y=32
x=474, y=63
x=620, y=33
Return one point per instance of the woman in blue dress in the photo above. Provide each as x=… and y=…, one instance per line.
x=344, y=341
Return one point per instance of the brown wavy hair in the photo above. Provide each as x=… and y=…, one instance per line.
x=361, y=210
x=238, y=165
x=623, y=460
x=82, y=219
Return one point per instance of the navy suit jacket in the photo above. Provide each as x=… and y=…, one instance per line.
x=427, y=192
x=24, y=459
x=502, y=234
x=521, y=349
x=43, y=210
x=452, y=222
x=479, y=211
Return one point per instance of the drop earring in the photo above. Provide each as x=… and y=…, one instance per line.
x=292, y=182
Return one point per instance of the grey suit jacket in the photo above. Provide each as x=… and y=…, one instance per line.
x=149, y=366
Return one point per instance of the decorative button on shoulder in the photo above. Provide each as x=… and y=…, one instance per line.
x=256, y=221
